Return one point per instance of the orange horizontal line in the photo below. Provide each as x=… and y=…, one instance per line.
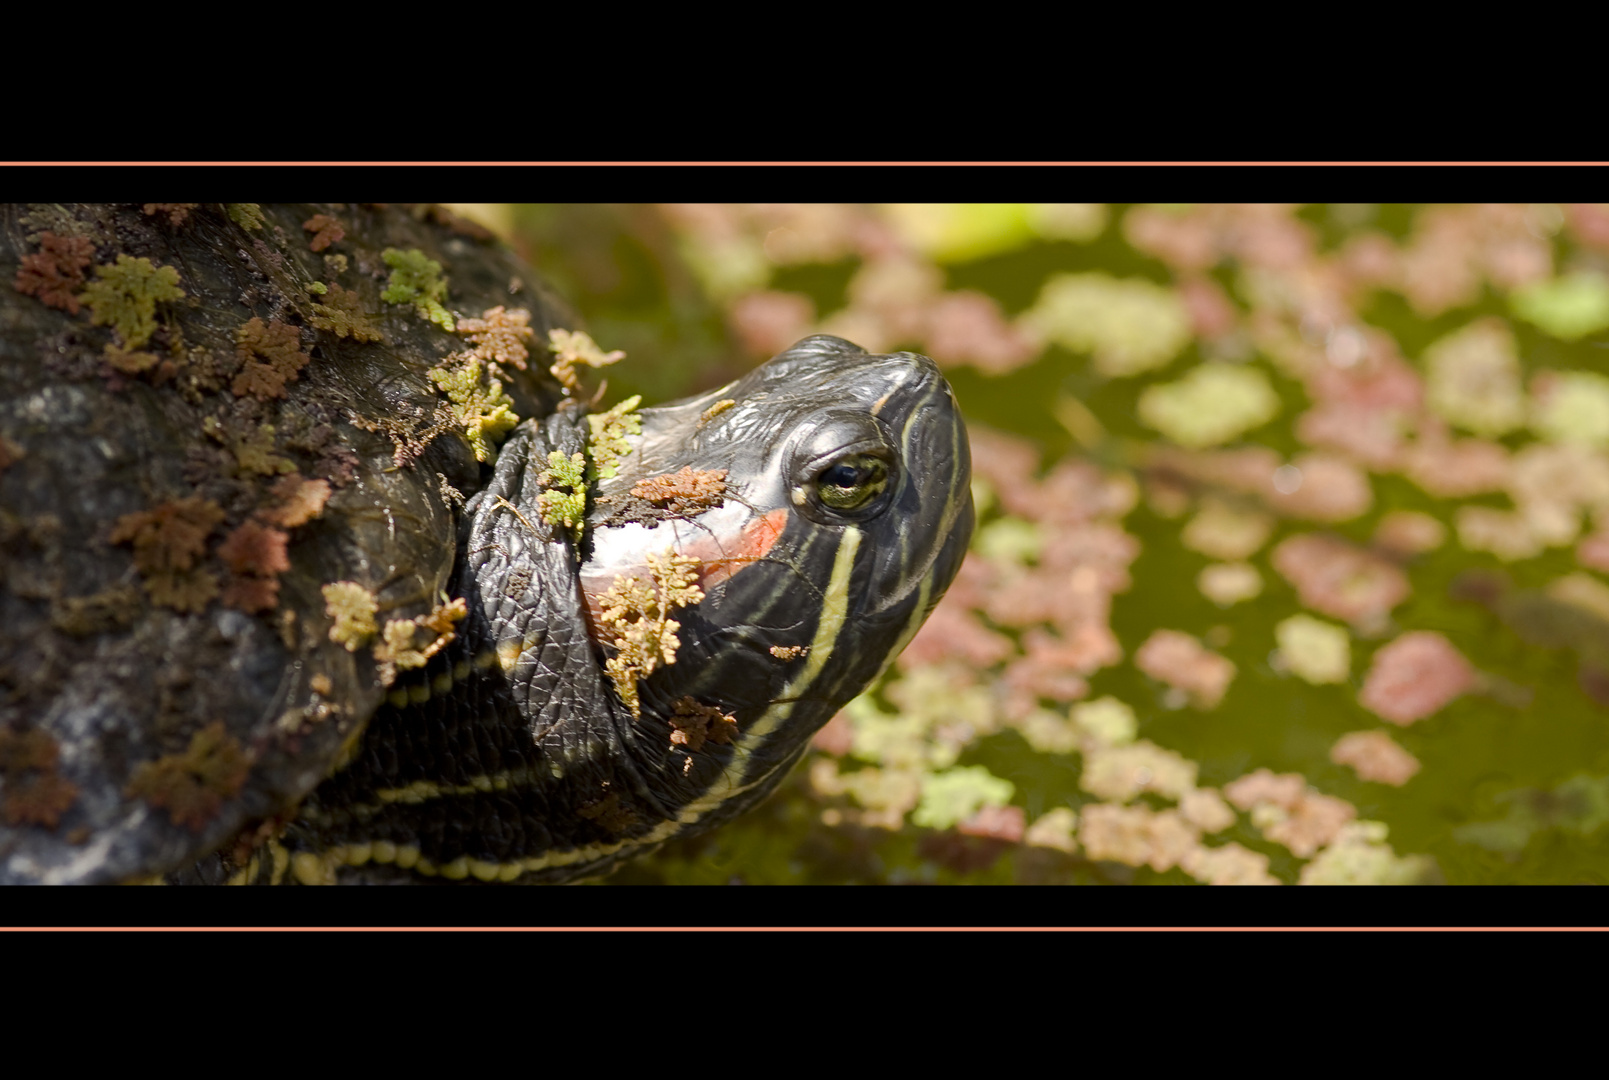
x=798, y=164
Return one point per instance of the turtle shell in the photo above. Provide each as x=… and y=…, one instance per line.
x=209, y=415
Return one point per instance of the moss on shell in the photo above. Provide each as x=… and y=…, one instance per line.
x=416, y=279
x=353, y=608
x=478, y=402
x=125, y=296
x=192, y=785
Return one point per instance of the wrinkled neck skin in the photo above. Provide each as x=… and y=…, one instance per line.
x=514, y=757
x=519, y=575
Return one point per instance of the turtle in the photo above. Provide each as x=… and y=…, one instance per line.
x=315, y=573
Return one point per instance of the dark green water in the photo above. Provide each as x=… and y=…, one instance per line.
x=1514, y=779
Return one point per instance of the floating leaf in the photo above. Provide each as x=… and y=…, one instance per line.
x=1414, y=676
x=1318, y=651
x=1360, y=857
x=956, y=794
x=1214, y=403
x=957, y=232
x=1571, y=407
x=1473, y=378
x=1130, y=325
x=1568, y=307
x=1107, y=721
x=1374, y=756
x=1227, y=584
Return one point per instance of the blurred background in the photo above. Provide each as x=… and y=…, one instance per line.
x=1293, y=551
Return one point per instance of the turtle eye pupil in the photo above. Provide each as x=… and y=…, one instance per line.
x=853, y=482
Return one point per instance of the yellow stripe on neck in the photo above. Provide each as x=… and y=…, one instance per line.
x=834, y=612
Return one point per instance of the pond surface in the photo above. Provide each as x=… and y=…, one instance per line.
x=1293, y=557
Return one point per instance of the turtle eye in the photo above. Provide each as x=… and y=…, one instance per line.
x=853, y=481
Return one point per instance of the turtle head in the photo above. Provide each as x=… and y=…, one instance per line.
x=824, y=504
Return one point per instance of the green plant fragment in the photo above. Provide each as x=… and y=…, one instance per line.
x=1106, y=721
x=1129, y=325
x=952, y=796
x=1359, y=856
x=193, y=785
x=478, y=403
x=577, y=347
x=1010, y=540
x=126, y=295
x=608, y=442
x=255, y=452
x=167, y=540
x=902, y=741
x=1211, y=405
x=1119, y=773
x=1472, y=378
x=1317, y=651
x=353, y=608
x=342, y=314
x=1568, y=307
x=270, y=355
x=247, y=215
x=1571, y=407
x=564, y=504
x=416, y=279
x=35, y=794
x=636, y=615
x=1227, y=584
x=398, y=646
x=959, y=232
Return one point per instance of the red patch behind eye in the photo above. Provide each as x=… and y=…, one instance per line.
x=752, y=544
